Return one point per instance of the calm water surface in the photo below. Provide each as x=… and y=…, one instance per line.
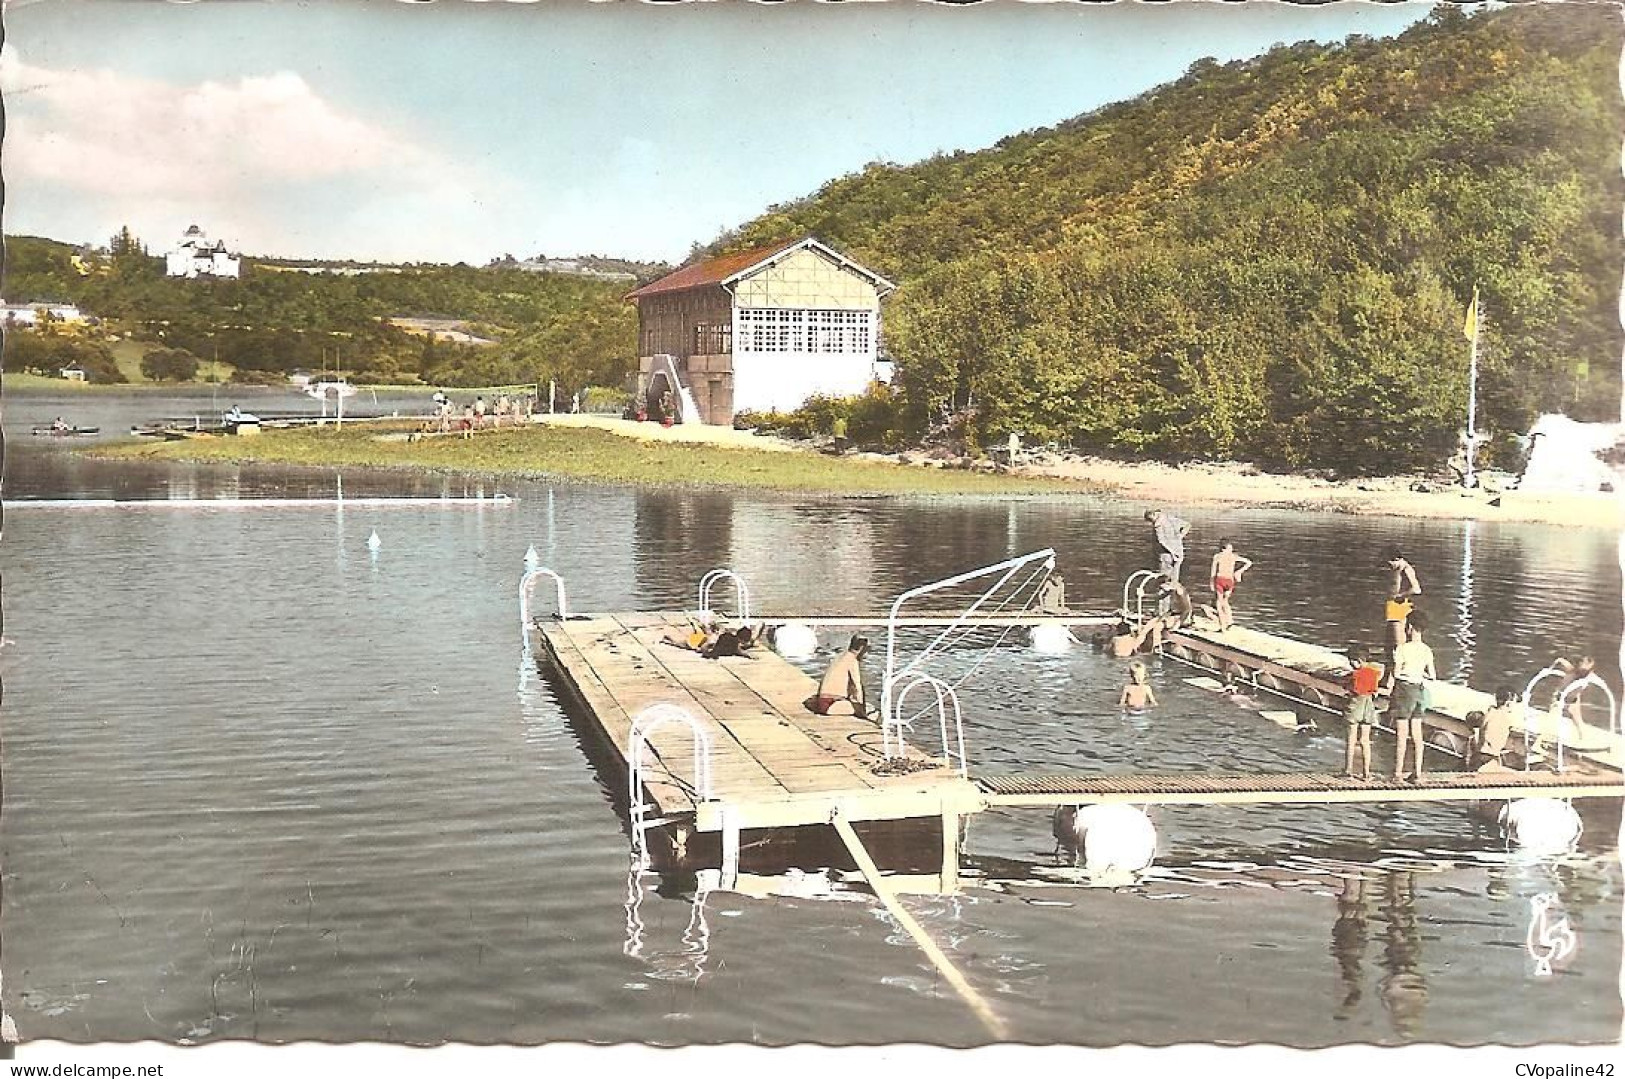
x=263, y=783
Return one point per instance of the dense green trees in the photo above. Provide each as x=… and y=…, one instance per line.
x=47, y=353
x=1270, y=259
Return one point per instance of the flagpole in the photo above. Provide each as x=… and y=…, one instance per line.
x=1472, y=392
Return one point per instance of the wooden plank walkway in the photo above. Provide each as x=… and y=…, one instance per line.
x=937, y=620
x=1198, y=788
x=773, y=763
x=1320, y=670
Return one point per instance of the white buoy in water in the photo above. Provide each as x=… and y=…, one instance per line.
x=795, y=640
x=1541, y=825
x=1109, y=840
x=1051, y=638
x=373, y=542
x=532, y=559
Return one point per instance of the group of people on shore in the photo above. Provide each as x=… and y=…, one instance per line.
x=477, y=414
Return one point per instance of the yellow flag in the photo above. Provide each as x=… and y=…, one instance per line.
x=1470, y=327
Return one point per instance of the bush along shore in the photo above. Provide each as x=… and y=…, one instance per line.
x=599, y=456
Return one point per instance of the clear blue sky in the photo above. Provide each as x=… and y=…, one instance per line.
x=461, y=130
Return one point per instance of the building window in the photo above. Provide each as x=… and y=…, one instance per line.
x=805, y=331
x=713, y=339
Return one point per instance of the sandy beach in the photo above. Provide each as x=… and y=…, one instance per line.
x=1226, y=484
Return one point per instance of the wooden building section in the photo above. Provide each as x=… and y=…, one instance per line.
x=761, y=329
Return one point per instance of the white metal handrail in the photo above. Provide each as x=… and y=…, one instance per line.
x=741, y=591
x=525, y=584
x=1007, y=569
x=637, y=746
x=946, y=698
x=1573, y=690
x=1531, y=718
x=1137, y=582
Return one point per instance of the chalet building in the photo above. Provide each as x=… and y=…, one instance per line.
x=197, y=256
x=762, y=329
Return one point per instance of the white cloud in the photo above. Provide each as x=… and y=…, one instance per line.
x=257, y=159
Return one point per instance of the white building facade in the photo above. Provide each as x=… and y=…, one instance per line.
x=197, y=256
x=762, y=330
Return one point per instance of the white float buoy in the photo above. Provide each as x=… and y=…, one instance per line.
x=1541, y=825
x=532, y=559
x=1109, y=840
x=373, y=542
x=795, y=640
x=1051, y=638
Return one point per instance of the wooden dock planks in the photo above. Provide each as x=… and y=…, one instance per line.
x=1196, y=788
x=773, y=763
x=1322, y=669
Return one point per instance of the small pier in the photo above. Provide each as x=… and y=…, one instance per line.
x=1312, y=675
x=770, y=764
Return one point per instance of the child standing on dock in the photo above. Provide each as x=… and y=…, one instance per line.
x=1226, y=571
x=1361, y=712
x=1413, y=667
x=1397, y=609
x=1137, y=694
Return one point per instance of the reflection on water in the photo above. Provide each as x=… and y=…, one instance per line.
x=263, y=781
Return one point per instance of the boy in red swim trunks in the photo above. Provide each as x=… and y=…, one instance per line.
x=1226, y=571
x=840, y=693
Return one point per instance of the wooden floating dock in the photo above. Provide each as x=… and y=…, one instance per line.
x=1199, y=788
x=1313, y=675
x=939, y=620
x=780, y=771
x=774, y=764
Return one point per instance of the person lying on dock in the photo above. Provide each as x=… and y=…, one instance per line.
x=731, y=642
x=1494, y=730
x=1413, y=668
x=696, y=638
x=1137, y=694
x=1361, y=711
x=840, y=693
x=1226, y=571
x=1052, y=595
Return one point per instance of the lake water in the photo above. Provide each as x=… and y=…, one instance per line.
x=261, y=782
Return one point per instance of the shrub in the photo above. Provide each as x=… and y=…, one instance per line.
x=169, y=365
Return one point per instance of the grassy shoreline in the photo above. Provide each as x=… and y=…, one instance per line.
x=589, y=455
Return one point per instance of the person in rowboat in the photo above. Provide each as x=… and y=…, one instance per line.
x=59, y=425
x=840, y=693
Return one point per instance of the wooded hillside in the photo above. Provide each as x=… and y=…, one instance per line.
x=1271, y=259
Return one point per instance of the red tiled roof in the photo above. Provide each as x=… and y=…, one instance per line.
x=711, y=271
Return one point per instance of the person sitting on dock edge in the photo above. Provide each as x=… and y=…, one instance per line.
x=1413, y=667
x=1052, y=595
x=1494, y=730
x=1137, y=695
x=1361, y=711
x=1226, y=571
x=840, y=693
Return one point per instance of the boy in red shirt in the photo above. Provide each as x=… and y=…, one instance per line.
x=1361, y=712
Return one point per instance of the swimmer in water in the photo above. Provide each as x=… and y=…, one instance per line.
x=1137, y=693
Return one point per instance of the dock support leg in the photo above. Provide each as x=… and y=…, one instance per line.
x=730, y=849
x=949, y=882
